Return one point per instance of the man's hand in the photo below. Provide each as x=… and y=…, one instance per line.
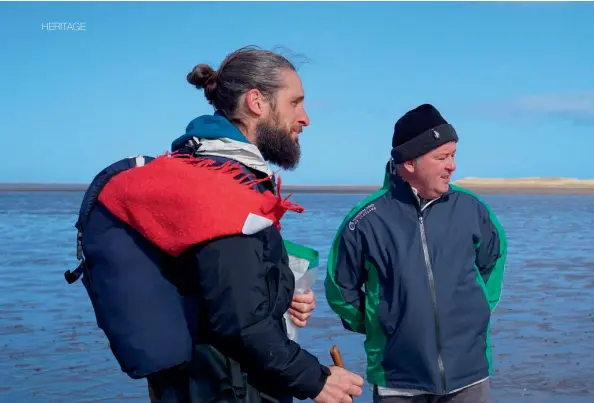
x=302, y=308
x=340, y=386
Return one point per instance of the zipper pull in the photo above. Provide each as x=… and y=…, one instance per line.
x=421, y=219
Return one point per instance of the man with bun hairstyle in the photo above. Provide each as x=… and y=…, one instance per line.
x=190, y=277
x=244, y=279
x=430, y=258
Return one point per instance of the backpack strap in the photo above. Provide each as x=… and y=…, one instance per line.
x=90, y=200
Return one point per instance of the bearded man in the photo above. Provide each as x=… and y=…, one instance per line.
x=206, y=217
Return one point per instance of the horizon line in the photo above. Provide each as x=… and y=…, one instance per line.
x=525, y=185
x=465, y=179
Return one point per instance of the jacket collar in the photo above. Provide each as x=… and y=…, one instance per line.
x=404, y=192
x=215, y=135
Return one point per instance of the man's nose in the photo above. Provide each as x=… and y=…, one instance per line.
x=451, y=166
x=303, y=119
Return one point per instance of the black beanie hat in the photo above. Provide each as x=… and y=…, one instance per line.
x=419, y=131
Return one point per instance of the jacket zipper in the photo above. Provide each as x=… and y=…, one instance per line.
x=434, y=299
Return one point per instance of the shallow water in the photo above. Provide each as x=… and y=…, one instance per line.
x=542, y=331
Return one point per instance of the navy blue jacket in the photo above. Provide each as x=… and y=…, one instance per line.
x=246, y=286
x=431, y=277
x=229, y=293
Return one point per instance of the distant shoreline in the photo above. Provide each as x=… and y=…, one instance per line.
x=519, y=186
x=535, y=185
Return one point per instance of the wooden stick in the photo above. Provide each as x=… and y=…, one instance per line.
x=336, y=356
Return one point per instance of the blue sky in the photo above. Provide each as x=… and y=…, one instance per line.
x=515, y=79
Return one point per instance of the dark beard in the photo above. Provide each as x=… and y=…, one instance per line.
x=277, y=146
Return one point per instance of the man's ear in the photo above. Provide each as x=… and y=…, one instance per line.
x=255, y=102
x=409, y=166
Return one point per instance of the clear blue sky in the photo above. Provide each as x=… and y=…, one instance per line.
x=515, y=79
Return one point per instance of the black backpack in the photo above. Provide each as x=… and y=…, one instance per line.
x=141, y=306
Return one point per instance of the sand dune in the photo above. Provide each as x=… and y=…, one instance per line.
x=534, y=185
x=530, y=182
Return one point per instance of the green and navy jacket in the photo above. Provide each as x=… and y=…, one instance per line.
x=421, y=284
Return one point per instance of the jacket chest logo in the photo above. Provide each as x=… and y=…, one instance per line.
x=355, y=220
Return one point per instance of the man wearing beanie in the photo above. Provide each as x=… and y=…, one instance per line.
x=417, y=267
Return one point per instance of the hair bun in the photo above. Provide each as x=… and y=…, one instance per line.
x=201, y=75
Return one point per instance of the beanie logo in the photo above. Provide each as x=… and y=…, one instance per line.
x=435, y=134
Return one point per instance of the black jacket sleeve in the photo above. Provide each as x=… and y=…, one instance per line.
x=236, y=283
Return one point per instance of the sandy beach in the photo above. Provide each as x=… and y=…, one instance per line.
x=533, y=185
